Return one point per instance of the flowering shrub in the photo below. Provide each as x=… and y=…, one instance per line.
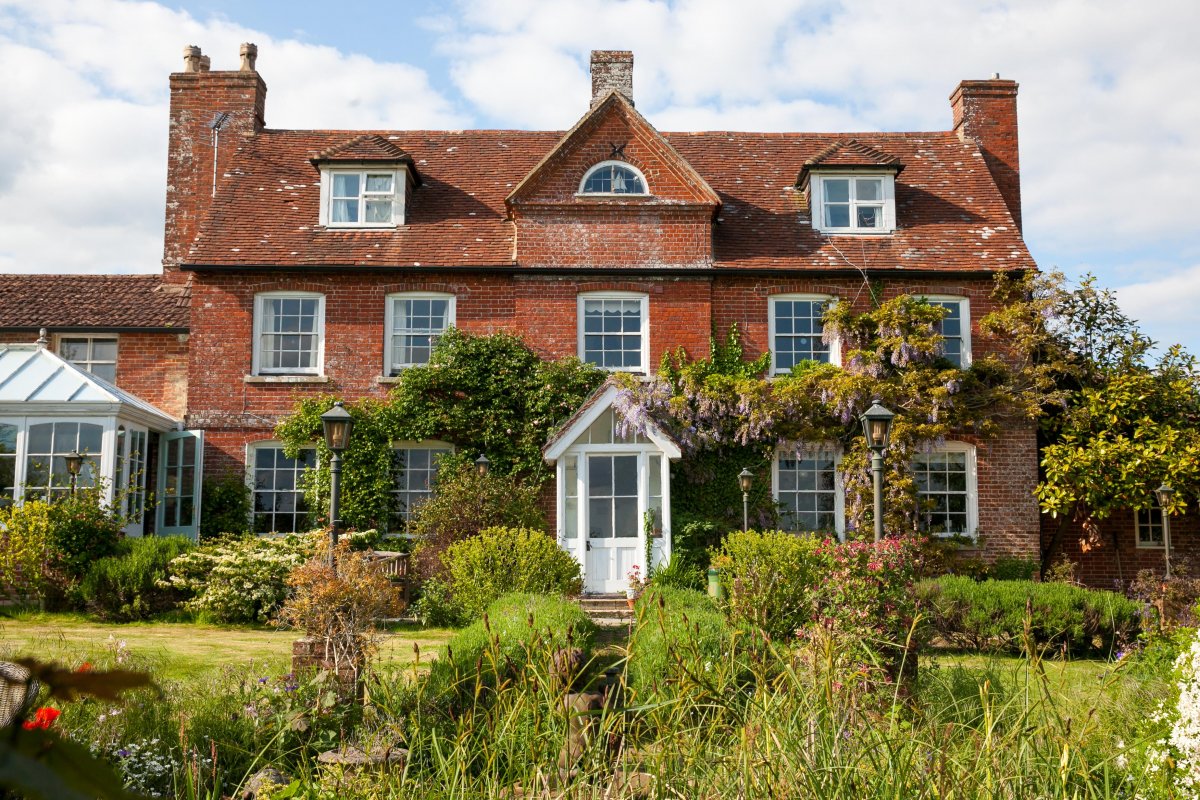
x=240, y=580
x=1185, y=731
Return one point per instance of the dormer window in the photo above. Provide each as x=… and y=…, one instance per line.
x=362, y=198
x=613, y=177
x=854, y=203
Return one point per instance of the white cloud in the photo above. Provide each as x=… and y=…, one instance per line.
x=83, y=120
x=1166, y=306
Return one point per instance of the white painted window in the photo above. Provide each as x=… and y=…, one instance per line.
x=613, y=330
x=96, y=354
x=808, y=490
x=854, y=202
x=955, y=328
x=798, y=330
x=613, y=177
x=947, y=497
x=277, y=483
x=414, y=472
x=289, y=332
x=8, y=463
x=415, y=321
x=362, y=198
x=46, y=447
x=1149, y=524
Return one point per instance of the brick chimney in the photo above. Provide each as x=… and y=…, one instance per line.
x=210, y=111
x=986, y=112
x=612, y=69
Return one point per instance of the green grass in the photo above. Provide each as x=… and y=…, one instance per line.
x=183, y=649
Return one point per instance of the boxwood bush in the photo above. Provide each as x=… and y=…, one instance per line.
x=674, y=627
x=132, y=585
x=991, y=614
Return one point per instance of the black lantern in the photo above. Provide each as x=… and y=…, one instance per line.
x=482, y=465
x=337, y=424
x=745, y=479
x=877, y=426
x=1165, y=494
x=74, y=461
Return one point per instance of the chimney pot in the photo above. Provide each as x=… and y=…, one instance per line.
x=191, y=58
x=249, y=53
x=612, y=69
x=205, y=64
x=995, y=76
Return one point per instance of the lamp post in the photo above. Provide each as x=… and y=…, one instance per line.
x=1164, y=494
x=877, y=426
x=482, y=465
x=74, y=461
x=745, y=478
x=336, y=424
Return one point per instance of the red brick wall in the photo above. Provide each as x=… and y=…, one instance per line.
x=649, y=235
x=986, y=112
x=1111, y=558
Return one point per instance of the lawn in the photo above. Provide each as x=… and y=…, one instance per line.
x=179, y=649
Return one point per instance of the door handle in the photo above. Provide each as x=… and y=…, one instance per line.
x=587, y=545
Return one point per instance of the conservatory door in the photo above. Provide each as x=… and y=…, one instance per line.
x=613, y=543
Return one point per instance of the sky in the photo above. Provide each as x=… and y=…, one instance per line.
x=1109, y=121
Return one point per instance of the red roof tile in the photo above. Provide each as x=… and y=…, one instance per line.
x=949, y=211
x=30, y=302
x=852, y=153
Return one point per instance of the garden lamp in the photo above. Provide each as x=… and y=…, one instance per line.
x=336, y=424
x=877, y=427
x=1164, y=494
x=482, y=465
x=745, y=479
x=74, y=461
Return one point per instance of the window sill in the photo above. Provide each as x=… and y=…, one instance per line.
x=848, y=232
x=388, y=379
x=268, y=379
x=376, y=227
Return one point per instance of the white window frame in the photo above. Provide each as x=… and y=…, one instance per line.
x=582, y=297
x=964, y=312
x=252, y=449
x=260, y=300
x=839, y=492
x=91, y=338
x=426, y=444
x=1139, y=525
x=835, y=346
x=817, y=205
x=390, y=365
x=611, y=163
x=399, y=190
x=972, y=486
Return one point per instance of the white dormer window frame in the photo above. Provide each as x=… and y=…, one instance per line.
x=368, y=197
x=830, y=198
x=609, y=165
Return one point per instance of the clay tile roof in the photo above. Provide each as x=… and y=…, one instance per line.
x=109, y=302
x=369, y=147
x=849, y=154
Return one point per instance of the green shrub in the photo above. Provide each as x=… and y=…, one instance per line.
x=991, y=614
x=679, y=573
x=768, y=577
x=1013, y=569
x=82, y=530
x=224, y=507
x=690, y=546
x=132, y=585
x=517, y=632
x=500, y=561
x=25, y=569
x=240, y=579
x=674, y=626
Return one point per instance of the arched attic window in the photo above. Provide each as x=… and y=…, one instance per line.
x=613, y=177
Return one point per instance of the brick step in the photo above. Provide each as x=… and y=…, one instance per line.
x=606, y=610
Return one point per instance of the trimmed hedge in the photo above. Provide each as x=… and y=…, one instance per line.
x=674, y=627
x=133, y=585
x=991, y=614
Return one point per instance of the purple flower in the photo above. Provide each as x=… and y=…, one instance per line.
x=262, y=680
x=123, y=753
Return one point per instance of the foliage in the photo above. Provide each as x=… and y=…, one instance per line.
x=224, y=507
x=240, y=579
x=499, y=561
x=767, y=577
x=993, y=615
x=82, y=530
x=25, y=563
x=132, y=585
x=466, y=503
x=518, y=632
x=484, y=394
x=341, y=607
x=1172, y=601
x=676, y=630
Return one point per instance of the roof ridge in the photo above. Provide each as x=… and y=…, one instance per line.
x=873, y=155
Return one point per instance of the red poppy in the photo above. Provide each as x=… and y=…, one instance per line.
x=85, y=667
x=43, y=718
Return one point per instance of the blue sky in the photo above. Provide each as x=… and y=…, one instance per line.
x=1110, y=135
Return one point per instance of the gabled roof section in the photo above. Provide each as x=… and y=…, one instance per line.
x=31, y=375
x=369, y=148
x=669, y=175
x=849, y=154
x=92, y=302
x=577, y=424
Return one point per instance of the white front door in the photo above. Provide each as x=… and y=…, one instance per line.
x=613, y=522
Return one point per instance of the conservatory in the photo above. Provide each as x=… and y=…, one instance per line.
x=53, y=412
